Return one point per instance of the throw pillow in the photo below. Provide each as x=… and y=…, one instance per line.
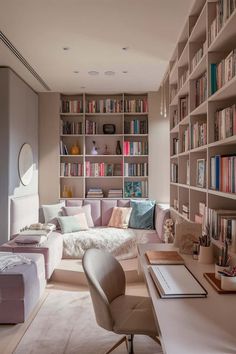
x=86, y=209
x=51, y=212
x=120, y=217
x=73, y=223
x=142, y=215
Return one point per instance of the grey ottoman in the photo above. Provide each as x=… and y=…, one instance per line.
x=21, y=288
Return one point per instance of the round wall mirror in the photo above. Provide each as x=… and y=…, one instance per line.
x=25, y=164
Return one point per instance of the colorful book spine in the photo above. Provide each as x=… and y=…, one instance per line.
x=223, y=173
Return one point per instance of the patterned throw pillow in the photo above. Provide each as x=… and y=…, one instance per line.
x=73, y=223
x=120, y=217
x=142, y=216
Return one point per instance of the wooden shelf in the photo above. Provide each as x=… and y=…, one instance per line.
x=136, y=113
x=199, y=69
x=227, y=91
x=222, y=194
x=201, y=109
x=104, y=114
x=72, y=114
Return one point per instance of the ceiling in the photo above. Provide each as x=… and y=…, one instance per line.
x=95, y=31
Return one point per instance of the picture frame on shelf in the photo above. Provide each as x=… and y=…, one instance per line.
x=201, y=171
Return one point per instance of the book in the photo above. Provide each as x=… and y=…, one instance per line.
x=164, y=257
x=176, y=281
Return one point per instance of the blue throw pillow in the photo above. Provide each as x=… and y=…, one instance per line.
x=142, y=215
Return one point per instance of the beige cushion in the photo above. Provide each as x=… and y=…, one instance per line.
x=86, y=209
x=120, y=217
x=73, y=223
x=133, y=315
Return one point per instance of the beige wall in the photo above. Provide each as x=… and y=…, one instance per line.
x=49, y=106
x=159, y=176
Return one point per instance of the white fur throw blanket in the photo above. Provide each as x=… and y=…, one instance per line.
x=121, y=243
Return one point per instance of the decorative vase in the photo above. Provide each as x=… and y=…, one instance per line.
x=75, y=149
x=118, y=148
x=206, y=255
x=69, y=194
x=94, y=150
x=65, y=192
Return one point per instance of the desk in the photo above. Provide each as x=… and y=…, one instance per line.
x=192, y=326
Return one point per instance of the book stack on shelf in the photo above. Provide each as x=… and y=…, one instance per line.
x=136, y=126
x=222, y=224
x=198, y=134
x=136, y=169
x=136, y=105
x=201, y=89
x=225, y=123
x=223, y=173
x=71, y=169
x=106, y=105
x=94, y=129
x=135, y=189
x=71, y=106
x=74, y=128
x=95, y=193
x=115, y=193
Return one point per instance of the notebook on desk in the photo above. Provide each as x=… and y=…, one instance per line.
x=164, y=257
x=176, y=281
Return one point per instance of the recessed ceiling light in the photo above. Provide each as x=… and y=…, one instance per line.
x=125, y=48
x=93, y=73
x=75, y=71
x=66, y=48
x=109, y=73
x=125, y=72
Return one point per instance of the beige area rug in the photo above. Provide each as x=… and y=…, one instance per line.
x=66, y=324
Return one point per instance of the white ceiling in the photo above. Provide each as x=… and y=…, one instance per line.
x=95, y=31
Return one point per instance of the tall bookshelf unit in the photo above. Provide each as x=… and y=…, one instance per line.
x=121, y=161
x=193, y=106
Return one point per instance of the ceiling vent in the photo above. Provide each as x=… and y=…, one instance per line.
x=13, y=49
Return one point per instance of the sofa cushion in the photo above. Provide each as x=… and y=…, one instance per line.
x=107, y=206
x=51, y=212
x=95, y=210
x=120, y=217
x=142, y=215
x=73, y=223
x=75, y=210
x=162, y=213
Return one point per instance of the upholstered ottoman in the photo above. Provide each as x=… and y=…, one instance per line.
x=51, y=250
x=21, y=288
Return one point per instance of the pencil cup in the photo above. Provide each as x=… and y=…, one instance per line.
x=206, y=255
x=219, y=269
x=228, y=283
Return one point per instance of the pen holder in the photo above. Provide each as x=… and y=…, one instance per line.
x=205, y=255
x=219, y=269
x=228, y=283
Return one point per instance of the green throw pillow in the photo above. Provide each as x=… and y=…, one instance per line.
x=73, y=223
x=142, y=215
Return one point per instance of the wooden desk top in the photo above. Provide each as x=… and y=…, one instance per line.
x=193, y=325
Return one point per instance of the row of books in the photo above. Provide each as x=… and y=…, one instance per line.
x=175, y=146
x=136, y=105
x=223, y=173
x=222, y=224
x=115, y=193
x=90, y=127
x=198, y=55
x=71, y=127
x=135, y=148
x=183, y=107
x=201, y=89
x=185, y=140
x=71, y=106
x=63, y=148
x=136, y=126
x=71, y=169
x=96, y=169
x=224, y=9
x=136, y=169
x=107, y=105
x=225, y=123
x=198, y=134
x=95, y=193
x=223, y=72
x=136, y=189
x=183, y=78
x=174, y=173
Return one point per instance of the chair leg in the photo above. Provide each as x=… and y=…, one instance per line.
x=123, y=339
x=130, y=343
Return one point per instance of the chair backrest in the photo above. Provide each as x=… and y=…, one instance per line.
x=106, y=280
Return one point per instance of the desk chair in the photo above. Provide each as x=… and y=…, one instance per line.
x=115, y=311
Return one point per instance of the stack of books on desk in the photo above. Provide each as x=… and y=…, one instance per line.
x=115, y=193
x=95, y=193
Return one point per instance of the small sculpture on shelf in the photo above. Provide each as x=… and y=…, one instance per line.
x=75, y=150
x=168, y=234
x=106, y=151
x=94, y=150
x=118, y=148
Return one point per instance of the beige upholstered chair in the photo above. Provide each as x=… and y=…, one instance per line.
x=115, y=311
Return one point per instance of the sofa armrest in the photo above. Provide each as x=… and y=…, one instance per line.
x=162, y=213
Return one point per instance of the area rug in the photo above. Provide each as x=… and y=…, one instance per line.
x=66, y=324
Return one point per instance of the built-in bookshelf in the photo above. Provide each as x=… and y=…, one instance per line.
x=104, y=146
x=203, y=118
